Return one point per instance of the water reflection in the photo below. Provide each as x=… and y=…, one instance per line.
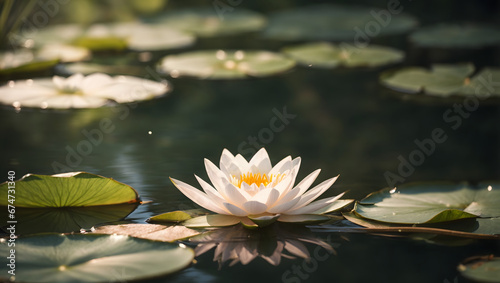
x=237, y=244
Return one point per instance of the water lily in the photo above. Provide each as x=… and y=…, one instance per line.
x=256, y=193
x=79, y=91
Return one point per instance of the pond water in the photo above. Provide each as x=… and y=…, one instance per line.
x=342, y=121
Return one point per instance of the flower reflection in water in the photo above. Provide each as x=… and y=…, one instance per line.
x=237, y=244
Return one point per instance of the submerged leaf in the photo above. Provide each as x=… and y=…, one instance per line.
x=148, y=231
x=94, y=258
x=431, y=202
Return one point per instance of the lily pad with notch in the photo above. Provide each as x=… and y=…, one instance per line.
x=420, y=203
x=444, y=80
x=68, y=202
x=94, y=258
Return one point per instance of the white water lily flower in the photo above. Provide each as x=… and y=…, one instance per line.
x=259, y=191
x=79, y=91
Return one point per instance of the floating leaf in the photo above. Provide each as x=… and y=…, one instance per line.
x=335, y=22
x=444, y=80
x=74, y=189
x=93, y=258
x=66, y=219
x=24, y=61
x=481, y=268
x=208, y=22
x=431, y=202
x=220, y=64
x=78, y=91
x=456, y=36
x=214, y=220
x=327, y=55
x=177, y=216
x=148, y=231
x=89, y=68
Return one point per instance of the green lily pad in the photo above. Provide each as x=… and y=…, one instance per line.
x=327, y=55
x=24, y=61
x=116, y=36
x=431, y=202
x=213, y=220
x=66, y=219
x=89, y=68
x=220, y=64
x=444, y=80
x=148, y=231
x=303, y=218
x=481, y=269
x=74, y=189
x=93, y=258
x=335, y=22
x=456, y=36
x=208, y=22
x=177, y=216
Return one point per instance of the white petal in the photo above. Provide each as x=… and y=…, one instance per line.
x=241, y=163
x=282, y=166
x=315, y=192
x=311, y=208
x=215, y=175
x=212, y=193
x=235, y=210
x=197, y=196
x=301, y=188
x=283, y=206
x=254, y=207
x=260, y=162
x=234, y=195
x=225, y=161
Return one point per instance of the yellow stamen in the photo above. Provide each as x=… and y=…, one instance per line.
x=256, y=178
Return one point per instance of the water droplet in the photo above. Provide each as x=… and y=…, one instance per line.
x=62, y=267
x=182, y=245
x=490, y=188
x=150, y=132
x=17, y=105
x=393, y=190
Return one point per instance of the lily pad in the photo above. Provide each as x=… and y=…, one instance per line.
x=481, y=268
x=213, y=220
x=66, y=219
x=209, y=22
x=74, y=189
x=78, y=91
x=220, y=64
x=335, y=22
x=116, y=36
x=456, y=36
x=177, y=216
x=327, y=55
x=431, y=202
x=24, y=61
x=444, y=80
x=148, y=231
x=93, y=258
